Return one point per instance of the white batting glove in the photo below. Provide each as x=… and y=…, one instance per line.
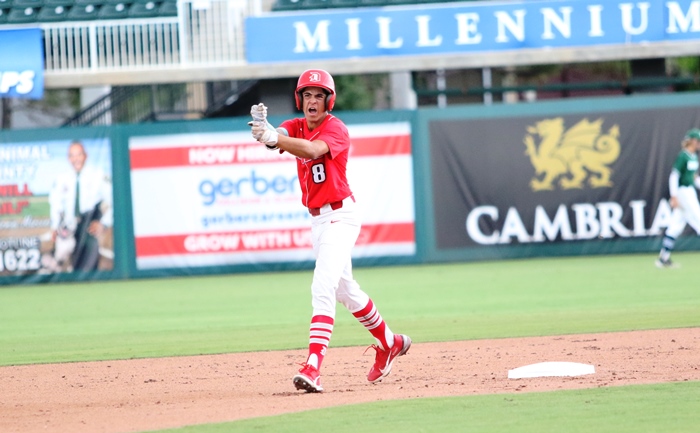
x=265, y=133
x=259, y=112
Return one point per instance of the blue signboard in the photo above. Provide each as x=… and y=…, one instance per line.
x=21, y=64
x=469, y=27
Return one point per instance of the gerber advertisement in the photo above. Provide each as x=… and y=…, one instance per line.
x=55, y=207
x=220, y=198
x=555, y=178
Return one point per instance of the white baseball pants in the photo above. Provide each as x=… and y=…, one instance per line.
x=687, y=212
x=333, y=234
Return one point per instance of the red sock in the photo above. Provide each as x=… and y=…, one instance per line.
x=319, y=336
x=372, y=320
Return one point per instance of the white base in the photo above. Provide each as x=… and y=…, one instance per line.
x=543, y=369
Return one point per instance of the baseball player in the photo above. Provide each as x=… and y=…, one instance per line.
x=684, y=199
x=321, y=144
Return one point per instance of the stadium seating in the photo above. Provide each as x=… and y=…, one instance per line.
x=54, y=3
x=168, y=9
x=27, y=3
x=369, y=3
x=22, y=15
x=143, y=10
x=83, y=12
x=113, y=11
x=296, y=5
x=344, y=3
x=285, y=5
x=49, y=14
x=30, y=11
x=316, y=4
x=50, y=11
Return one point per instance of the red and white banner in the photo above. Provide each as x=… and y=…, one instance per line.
x=221, y=198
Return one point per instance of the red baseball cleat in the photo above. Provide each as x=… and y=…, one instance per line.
x=308, y=379
x=385, y=358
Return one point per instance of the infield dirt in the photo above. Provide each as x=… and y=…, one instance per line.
x=149, y=394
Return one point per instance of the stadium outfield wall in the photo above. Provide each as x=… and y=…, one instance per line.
x=464, y=183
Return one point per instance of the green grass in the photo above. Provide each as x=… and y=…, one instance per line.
x=251, y=312
x=38, y=207
x=632, y=409
x=459, y=301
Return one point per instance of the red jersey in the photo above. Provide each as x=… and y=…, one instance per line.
x=323, y=179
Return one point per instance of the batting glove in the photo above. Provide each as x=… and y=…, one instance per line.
x=264, y=133
x=259, y=112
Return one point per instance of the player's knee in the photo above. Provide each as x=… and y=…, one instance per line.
x=354, y=300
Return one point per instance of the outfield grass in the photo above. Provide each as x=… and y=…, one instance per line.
x=631, y=409
x=237, y=313
x=251, y=312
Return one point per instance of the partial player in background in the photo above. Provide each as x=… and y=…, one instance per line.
x=682, y=183
x=321, y=143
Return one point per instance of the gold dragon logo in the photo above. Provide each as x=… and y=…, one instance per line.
x=568, y=157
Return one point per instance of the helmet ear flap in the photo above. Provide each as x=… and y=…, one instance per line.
x=297, y=99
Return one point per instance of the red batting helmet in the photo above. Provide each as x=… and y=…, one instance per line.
x=316, y=78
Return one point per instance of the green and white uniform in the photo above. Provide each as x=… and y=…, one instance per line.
x=681, y=184
x=687, y=166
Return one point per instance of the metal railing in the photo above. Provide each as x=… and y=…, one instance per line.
x=205, y=32
x=111, y=45
x=131, y=103
x=146, y=103
x=225, y=94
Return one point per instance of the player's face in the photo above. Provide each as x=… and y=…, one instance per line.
x=694, y=144
x=314, y=104
x=76, y=156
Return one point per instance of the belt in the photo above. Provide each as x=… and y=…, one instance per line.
x=316, y=211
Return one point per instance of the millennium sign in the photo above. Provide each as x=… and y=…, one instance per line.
x=469, y=27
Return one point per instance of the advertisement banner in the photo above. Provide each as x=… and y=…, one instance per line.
x=466, y=27
x=554, y=178
x=55, y=207
x=220, y=198
x=21, y=64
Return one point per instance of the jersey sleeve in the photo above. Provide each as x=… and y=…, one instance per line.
x=291, y=125
x=292, y=128
x=336, y=136
x=673, y=182
x=680, y=163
